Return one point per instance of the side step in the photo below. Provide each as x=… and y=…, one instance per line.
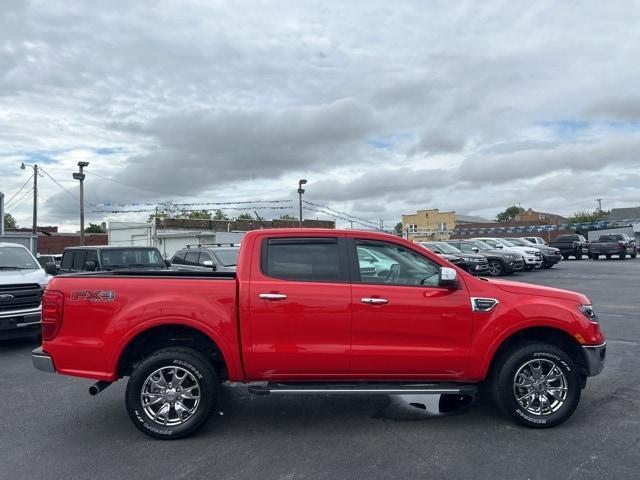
x=363, y=388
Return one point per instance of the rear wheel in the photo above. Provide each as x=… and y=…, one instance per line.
x=595, y=256
x=496, y=268
x=565, y=256
x=608, y=257
x=172, y=393
x=537, y=385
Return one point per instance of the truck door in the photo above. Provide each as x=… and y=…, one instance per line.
x=300, y=309
x=404, y=325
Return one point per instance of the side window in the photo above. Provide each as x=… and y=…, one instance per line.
x=92, y=257
x=191, y=258
x=465, y=247
x=78, y=260
x=303, y=259
x=178, y=258
x=397, y=265
x=204, y=256
x=67, y=260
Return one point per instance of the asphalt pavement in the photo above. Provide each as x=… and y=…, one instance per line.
x=51, y=428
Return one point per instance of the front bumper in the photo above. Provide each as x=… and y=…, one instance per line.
x=20, y=323
x=595, y=357
x=514, y=265
x=42, y=360
x=552, y=259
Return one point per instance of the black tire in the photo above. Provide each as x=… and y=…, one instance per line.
x=608, y=257
x=565, y=256
x=578, y=255
x=594, y=256
x=635, y=253
x=504, y=389
x=186, y=360
x=623, y=254
x=496, y=268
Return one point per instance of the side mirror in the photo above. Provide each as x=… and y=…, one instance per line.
x=50, y=268
x=500, y=246
x=90, y=266
x=448, y=278
x=475, y=249
x=167, y=263
x=209, y=263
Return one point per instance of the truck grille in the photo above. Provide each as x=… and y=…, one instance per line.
x=19, y=297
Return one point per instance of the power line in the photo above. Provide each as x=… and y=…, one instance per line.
x=22, y=200
x=342, y=218
x=341, y=213
x=71, y=194
x=260, y=207
x=23, y=185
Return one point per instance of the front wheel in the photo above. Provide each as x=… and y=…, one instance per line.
x=578, y=255
x=623, y=254
x=537, y=385
x=595, y=256
x=635, y=253
x=172, y=393
x=496, y=268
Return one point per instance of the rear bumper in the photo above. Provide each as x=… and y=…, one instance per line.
x=42, y=360
x=595, y=357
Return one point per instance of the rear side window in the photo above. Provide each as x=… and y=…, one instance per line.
x=303, y=259
x=178, y=258
x=191, y=258
x=78, y=260
x=67, y=260
x=465, y=247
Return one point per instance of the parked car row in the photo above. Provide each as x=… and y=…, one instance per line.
x=495, y=256
x=608, y=245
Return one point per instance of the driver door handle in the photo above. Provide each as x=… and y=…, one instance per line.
x=374, y=301
x=272, y=296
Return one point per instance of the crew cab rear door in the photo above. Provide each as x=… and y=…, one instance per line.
x=404, y=324
x=300, y=312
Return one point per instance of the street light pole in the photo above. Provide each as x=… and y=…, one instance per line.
x=80, y=176
x=35, y=195
x=300, y=192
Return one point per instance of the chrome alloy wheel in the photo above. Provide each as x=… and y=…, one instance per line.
x=540, y=387
x=170, y=396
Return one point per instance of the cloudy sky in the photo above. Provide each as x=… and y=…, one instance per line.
x=385, y=107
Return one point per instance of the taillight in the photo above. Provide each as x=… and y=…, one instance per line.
x=52, y=306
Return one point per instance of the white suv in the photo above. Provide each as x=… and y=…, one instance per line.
x=532, y=256
x=22, y=281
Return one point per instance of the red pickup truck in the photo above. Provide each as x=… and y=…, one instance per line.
x=306, y=313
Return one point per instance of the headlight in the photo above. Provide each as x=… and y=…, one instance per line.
x=589, y=312
x=530, y=252
x=511, y=256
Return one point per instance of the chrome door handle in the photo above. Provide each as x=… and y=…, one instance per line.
x=272, y=296
x=374, y=301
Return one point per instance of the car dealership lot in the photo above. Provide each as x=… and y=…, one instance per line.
x=52, y=428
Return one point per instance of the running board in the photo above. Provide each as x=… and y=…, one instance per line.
x=363, y=388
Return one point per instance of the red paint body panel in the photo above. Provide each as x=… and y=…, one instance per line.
x=321, y=330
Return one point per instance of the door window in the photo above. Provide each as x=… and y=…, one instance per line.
x=395, y=265
x=303, y=259
x=78, y=260
x=191, y=258
x=203, y=257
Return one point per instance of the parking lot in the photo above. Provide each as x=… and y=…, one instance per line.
x=52, y=428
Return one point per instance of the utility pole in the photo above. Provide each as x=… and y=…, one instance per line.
x=80, y=176
x=34, y=229
x=300, y=192
x=1, y=214
x=599, y=200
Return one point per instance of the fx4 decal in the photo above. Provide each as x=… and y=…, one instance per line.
x=94, y=295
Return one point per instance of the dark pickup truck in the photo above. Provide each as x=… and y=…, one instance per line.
x=571, y=245
x=613, y=244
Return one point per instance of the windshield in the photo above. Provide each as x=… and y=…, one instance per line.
x=519, y=242
x=229, y=257
x=130, y=257
x=432, y=247
x=446, y=248
x=482, y=245
x=16, y=258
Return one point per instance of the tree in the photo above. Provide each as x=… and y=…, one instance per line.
x=509, y=215
x=585, y=216
x=197, y=214
x=95, y=228
x=9, y=222
x=287, y=217
x=219, y=215
x=245, y=216
x=398, y=229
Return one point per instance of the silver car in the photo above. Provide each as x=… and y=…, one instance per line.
x=206, y=258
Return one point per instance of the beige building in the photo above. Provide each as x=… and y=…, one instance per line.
x=427, y=225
